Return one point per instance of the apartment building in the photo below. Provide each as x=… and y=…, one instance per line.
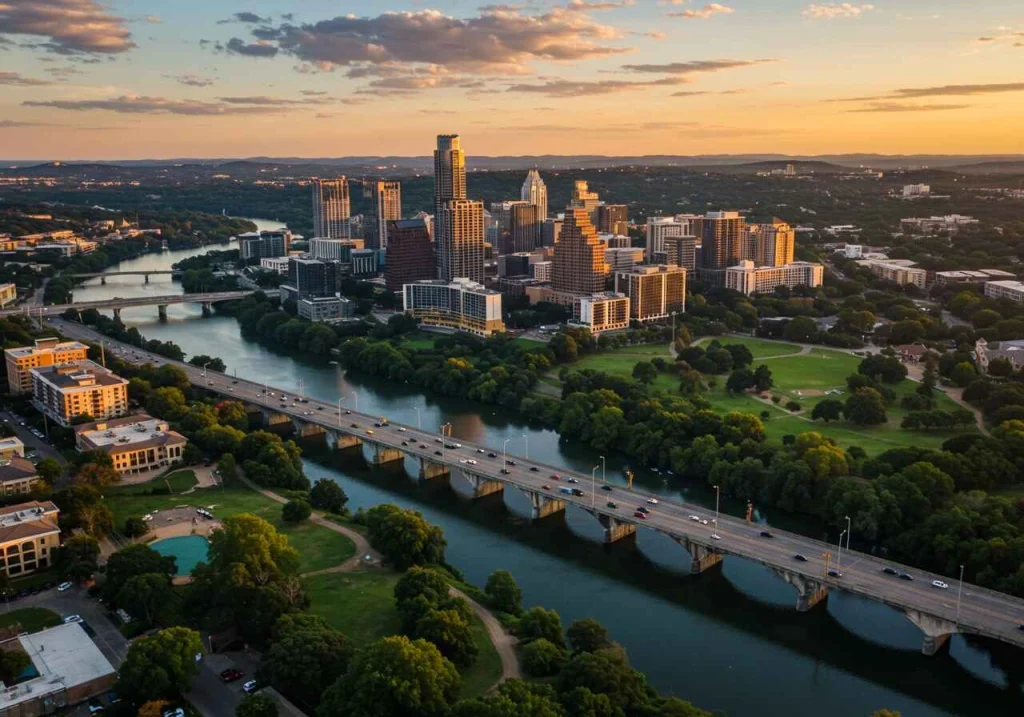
x=1012, y=290
x=81, y=388
x=605, y=311
x=135, y=444
x=29, y=534
x=896, y=272
x=45, y=352
x=8, y=293
x=17, y=476
x=749, y=279
x=461, y=305
x=325, y=308
x=655, y=291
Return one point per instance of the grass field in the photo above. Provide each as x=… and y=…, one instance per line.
x=362, y=605
x=179, y=482
x=31, y=619
x=759, y=348
x=318, y=547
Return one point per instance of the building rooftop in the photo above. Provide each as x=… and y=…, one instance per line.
x=10, y=443
x=64, y=656
x=79, y=374
x=47, y=344
x=130, y=432
x=26, y=520
x=1015, y=285
x=17, y=468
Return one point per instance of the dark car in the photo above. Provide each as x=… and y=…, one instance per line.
x=834, y=573
x=607, y=488
x=505, y=471
x=766, y=534
x=533, y=469
x=234, y=382
x=492, y=455
x=577, y=492
x=890, y=571
x=640, y=515
x=405, y=443
x=438, y=453
x=423, y=445
x=906, y=576
x=1021, y=626
x=612, y=505
x=643, y=509
x=509, y=462
x=799, y=557
x=230, y=675
x=354, y=425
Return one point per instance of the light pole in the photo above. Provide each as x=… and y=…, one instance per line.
x=849, y=532
x=443, y=442
x=300, y=390
x=839, y=558
x=504, y=459
x=718, y=495
x=340, y=399
x=593, y=487
x=604, y=475
x=526, y=439
x=417, y=409
x=204, y=369
x=959, y=590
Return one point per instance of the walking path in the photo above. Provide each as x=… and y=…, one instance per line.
x=503, y=642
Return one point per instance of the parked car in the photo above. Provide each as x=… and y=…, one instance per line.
x=64, y=586
x=230, y=675
x=250, y=687
x=939, y=584
x=95, y=706
x=72, y=618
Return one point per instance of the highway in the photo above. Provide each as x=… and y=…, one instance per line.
x=119, y=303
x=982, y=611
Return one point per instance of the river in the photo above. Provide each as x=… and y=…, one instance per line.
x=728, y=640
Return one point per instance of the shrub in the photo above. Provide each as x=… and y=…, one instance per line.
x=793, y=406
x=296, y=511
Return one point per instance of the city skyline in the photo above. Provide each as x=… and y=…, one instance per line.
x=85, y=79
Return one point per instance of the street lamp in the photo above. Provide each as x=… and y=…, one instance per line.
x=526, y=439
x=340, y=399
x=593, y=488
x=204, y=369
x=839, y=559
x=504, y=458
x=718, y=495
x=849, y=532
x=417, y=409
x=604, y=475
x=300, y=390
x=959, y=590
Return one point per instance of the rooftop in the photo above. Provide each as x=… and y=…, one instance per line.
x=26, y=520
x=47, y=344
x=79, y=374
x=17, y=468
x=132, y=432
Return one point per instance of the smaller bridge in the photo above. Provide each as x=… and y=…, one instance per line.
x=161, y=302
x=173, y=273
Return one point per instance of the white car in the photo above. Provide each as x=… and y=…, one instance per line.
x=147, y=517
x=249, y=687
x=939, y=584
x=72, y=618
x=695, y=518
x=652, y=501
x=63, y=586
x=463, y=461
x=401, y=430
x=471, y=461
x=704, y=522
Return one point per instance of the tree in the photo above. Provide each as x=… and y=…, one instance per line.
x=539, y=623
x=232, y=413
x=394, y=677
x=587, y=635
x=78, y=558
x=503, y=593
x=802, y=330
x=881, y=367
x=49, y=470
x=739, y=381
x=606, y=672
x=328, y=496
x=763, y=378
x=451, y=632
x=542, y=658
x=135, y=527
x=143, y=596
x=167, y=403
x=513, y=698
x=296, y=511
x=963, y=373
x=160, y=665
x=645, y=372
x=97, y=475
x=865, y=407
x=153, y=708
x=831, y=409
x=132, y=561
x=256, y=706
x=210, y=363
x=12, y=663
x=251, y=551
x=227, y=468
x=906, y=332
x=404, y=537
x=305, y=657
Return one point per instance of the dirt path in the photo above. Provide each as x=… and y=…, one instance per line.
x=503, y=642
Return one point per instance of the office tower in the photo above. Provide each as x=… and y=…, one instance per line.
x=724, y=233
x=264, y=244
x=579, y=255
x=535, y=192
x=366, y=262
x=681, y=251
x=613, y=219
x=654, y=292
x=312, y=277
x=461, y=304
x=331, y=208
x=748, y=279
x=773, y=244
x=582, y=197
x=334, y=249
x=409, y=255
x=550, y=231
x=516, y=264
x=658, y=229
x=385, y=206
x=459, y=240
x=624, y=258
x=501, y=216
x=449, y=171
x=523, y=228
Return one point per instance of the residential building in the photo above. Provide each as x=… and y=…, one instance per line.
x=410, y=254
x=366, y=262
x=975, y=276
x=579, y=256
x=334, y=249
x=45, y=352
x=852, y=251
x=660, y=228
x=949, y=223
x=583, y=198
x=535, y=192
x=604, y=311
x=135, y=444
x=1012, y=290
x=8, y=293
x=523, y=228
x=621, y=259
x=542, y=270
x=312, y=277
x=916, y=191
x=1012, y=351
x=449, y=172
x=277, y=264
x=655, y=292
x=17, y=476
x=461, y=304
x=613, y=219
x=67, y=668
x=326, y=308
x=550, y=231
x=840, y=229
x=385, y=206
x=747, y=279
x=11, y=447
x=678, y=250
x=81, y=388
x=723, y=242
x=257, y=245
x=895, y=271
x=29, y=533
x=459, y=240
x=517, y=264
x=615, y=241
x=773, y=244
x=332, y=208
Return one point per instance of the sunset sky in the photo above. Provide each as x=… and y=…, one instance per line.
x=95, y=79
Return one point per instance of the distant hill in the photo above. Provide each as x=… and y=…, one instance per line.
x=1001, y=167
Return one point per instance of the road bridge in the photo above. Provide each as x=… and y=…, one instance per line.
x=939, y=613
x=161, y=302
x=102, y=276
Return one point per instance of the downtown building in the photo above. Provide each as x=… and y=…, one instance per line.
x=605, y=311
x=583, y=198
x=311, y=277
x=332, y=208
x=458, y=305
x=579, y=267
x=409, y=254
x=49, y=351
x=264, y=245
x=334, y=249
x=678, y=250
x=458, y=221
x=385, y=206
x=535, y=192
x=613, y=219
x=772, y=244
x=655, y=291
x=749, y=279
x=81, y=388
x=724, y=241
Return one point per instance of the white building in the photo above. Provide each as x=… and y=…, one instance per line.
x=839, y=229
x=1012, y=290
x=460, y=304
x=899, y=271
x=278, y=264
x=621, y=259
x=325, y=308
x=608, y=311
x=334, y=249
x=658, y=228
x=748, y=279
x=916, y=191
x=331, y=208
x=135, y=444
x=949, y=223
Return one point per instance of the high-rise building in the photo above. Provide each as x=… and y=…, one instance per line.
x=747, y=279
x=82, y=388
x=449, y=171
x=654, y=292
x=385, y=206
x=45, y=352
x=461, y=304
x=613, y=219
x=607, y=311
x=681, y=251
x=459, y=240
x=410, y=254
x=334, y=249
x=550, y=231
x=623, y=258
x=583, y=198
x=535, y=192
x=501, y=215
x=723, y=244
x=579, y=255
x=523, y=228
x=332, y=208
x=312, y=277
x=660, y=228
x=264, y=244
x=773, y=244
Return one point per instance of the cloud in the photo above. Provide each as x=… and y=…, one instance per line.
x=312, y=93
x=1005, y=35
x=896, y=107
x=265, y=101
x=907, y=93
x=190, y=80
x=135, y=104
x=696, y=66
x=828, y=11
x=238, y=46
x=703, y=13
x=690, y=93
x=72, y=26
x=19, y=80
x=583, y=88
x=593, y=5
x=246, y=17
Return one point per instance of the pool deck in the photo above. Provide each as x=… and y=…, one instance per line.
x=182, y=521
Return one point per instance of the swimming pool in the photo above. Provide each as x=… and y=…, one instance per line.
x=187, y=549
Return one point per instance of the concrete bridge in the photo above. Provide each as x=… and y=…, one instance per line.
x=173, y=273
x=938, y=612
x=161, y=302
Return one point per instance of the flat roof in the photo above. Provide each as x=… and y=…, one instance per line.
x=22, y=351
x=64, y=656
x=1015, y=285
x=79, y=374
x=131, y=432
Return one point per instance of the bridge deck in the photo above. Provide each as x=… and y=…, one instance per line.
x=119, y=303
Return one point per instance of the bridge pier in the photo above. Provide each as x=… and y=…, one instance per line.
x=117, y=314
x=162, y=311
x=615, y=529
x=305, y=430
x=207, y=308
x=483, y=486
x=809, y=592
x=701, y=556
x=543, y=505
x=273, y=418
x=103, y=281
x=429, y=469
x=385, y=454
x=147, y=278
x=341, y=441
x=936, y=631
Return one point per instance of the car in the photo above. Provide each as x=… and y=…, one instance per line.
x=147, y=517
x=234, y=382
x=546, y=487
x=652, y=501
x=577, y=492
x=471, y=461
x=319, y=408
x=231, y=674
x=505, y=471
x=438, y=453
x=423, y=445
x=369, y=431
x=906, y=576
x=72, y=618
x=800, y=558
x=1021, y=626
x=555, y=476
x=716, y=536
x=64, y=586
x=766, y=534
x=612, y=505
x=704, y=521
x=405, y=443
x=378, y=424
x=570, y=479
x=834, y=573
x=695, y=518
x=437, y=440
x=492, y=455
x=354, y=425
x=463, y=460
x=480, y=450
x=890, y=571
x=509, y=462
x=641, y=516
x=176, y=712
x=533, y=469
x=95, y=706
x=348, y=413
x=643, y=509
x=249, y=687
x=606, y=487
x=939, y=584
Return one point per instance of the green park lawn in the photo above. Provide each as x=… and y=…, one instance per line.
x=361, y=604
x=31, y=619
x=178, y=482
x=318, y=547
x=418, y=340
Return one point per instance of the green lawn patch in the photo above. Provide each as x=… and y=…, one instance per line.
x=759, y=348
x=482, y=674
x=417, y=341
x=31, y=619
x=177, y=482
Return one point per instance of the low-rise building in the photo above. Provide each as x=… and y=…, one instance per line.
x=29, y=533
x=916, y=191
x=326, y=308
x=46, y=352
x=10, y=447
x=135, y=444
x=82, y=388
x=897, y=272
x=68, y=668
x=748, y=279
x=949, y=223
x=1012, y=290
x=275, y=263
x=460, y=304
x=608, y=311
x=973, y=276
x=8, y=293
x=17, y=476
x=1012, y=351
x=655, y=291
